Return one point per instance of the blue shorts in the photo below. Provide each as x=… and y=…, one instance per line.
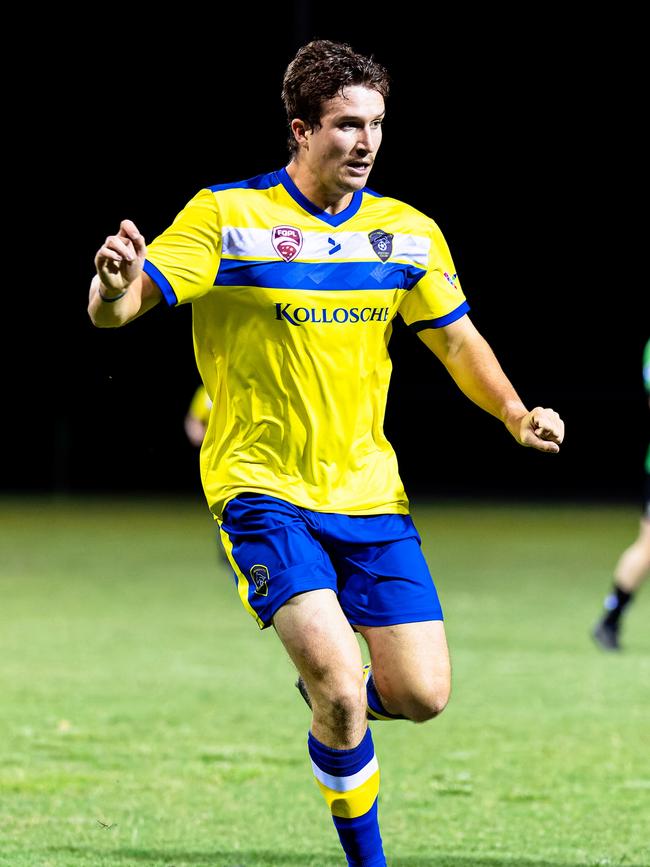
x=374, y=563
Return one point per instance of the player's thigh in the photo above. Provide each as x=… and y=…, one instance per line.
x=644, y=532
x=274, y=553
x=410, y=662
x=319, y=640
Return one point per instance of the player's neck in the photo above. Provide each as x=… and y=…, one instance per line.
x=332, y=202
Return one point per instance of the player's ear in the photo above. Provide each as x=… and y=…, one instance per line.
x=300, y=129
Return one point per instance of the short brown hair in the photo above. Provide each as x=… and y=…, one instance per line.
x=319, y=71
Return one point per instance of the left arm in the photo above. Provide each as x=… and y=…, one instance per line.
x=475, y=369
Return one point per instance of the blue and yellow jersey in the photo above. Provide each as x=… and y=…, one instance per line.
x=292, y=312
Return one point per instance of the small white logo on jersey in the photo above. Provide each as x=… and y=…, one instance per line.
x=287, y=241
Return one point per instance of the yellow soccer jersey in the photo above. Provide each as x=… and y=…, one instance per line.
x=292, y=313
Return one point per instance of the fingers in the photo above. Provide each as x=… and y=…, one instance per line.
x=129, y=230
x=117, y=249
x=126, y=246
x=548, y=429
x=544, y=446
x=547, y=424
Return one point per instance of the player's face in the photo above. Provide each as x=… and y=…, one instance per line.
x=343, y=148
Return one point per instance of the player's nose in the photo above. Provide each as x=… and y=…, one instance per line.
x=364, y=140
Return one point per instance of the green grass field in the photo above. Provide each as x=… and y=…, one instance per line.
x=146, y=721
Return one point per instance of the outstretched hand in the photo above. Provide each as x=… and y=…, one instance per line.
x=541, y=429
x=119, y=260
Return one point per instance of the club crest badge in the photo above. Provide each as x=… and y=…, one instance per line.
x=260, y=576
x=382, y=243
x=287, y=241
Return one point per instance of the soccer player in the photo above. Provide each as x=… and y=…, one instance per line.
x=633, y=565
x=295, y=277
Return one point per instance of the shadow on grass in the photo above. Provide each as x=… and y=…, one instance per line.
x=260, y=858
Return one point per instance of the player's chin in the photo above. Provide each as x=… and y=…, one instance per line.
x=354, y=179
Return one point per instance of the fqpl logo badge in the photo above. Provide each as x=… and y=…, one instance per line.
x=287, y=241
x=382, y=243
x=260, y=576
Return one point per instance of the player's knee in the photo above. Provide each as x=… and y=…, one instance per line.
x=344, y=702
x=347, y=708
x=427, y=703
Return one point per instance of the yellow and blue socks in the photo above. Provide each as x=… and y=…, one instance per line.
x=375, y=710
x=349, y=782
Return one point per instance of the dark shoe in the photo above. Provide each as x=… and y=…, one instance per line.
x=606, y=636
x=302, y=689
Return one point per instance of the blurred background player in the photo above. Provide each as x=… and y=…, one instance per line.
x=195, y=424
x=633, y=565
x=196, y=418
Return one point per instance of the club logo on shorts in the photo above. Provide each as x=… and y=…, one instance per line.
x=260, y=576
x=382, y=243
x=287, y=241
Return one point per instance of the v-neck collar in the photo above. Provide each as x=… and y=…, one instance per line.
x=311, y=208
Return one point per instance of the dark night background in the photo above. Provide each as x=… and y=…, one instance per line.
x=518, y=137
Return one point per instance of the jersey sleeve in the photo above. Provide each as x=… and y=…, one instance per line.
x=184, y=259
x=437, y=298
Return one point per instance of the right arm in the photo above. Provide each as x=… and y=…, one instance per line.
x=120, y=290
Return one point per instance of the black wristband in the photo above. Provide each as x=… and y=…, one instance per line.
x=111, y=300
